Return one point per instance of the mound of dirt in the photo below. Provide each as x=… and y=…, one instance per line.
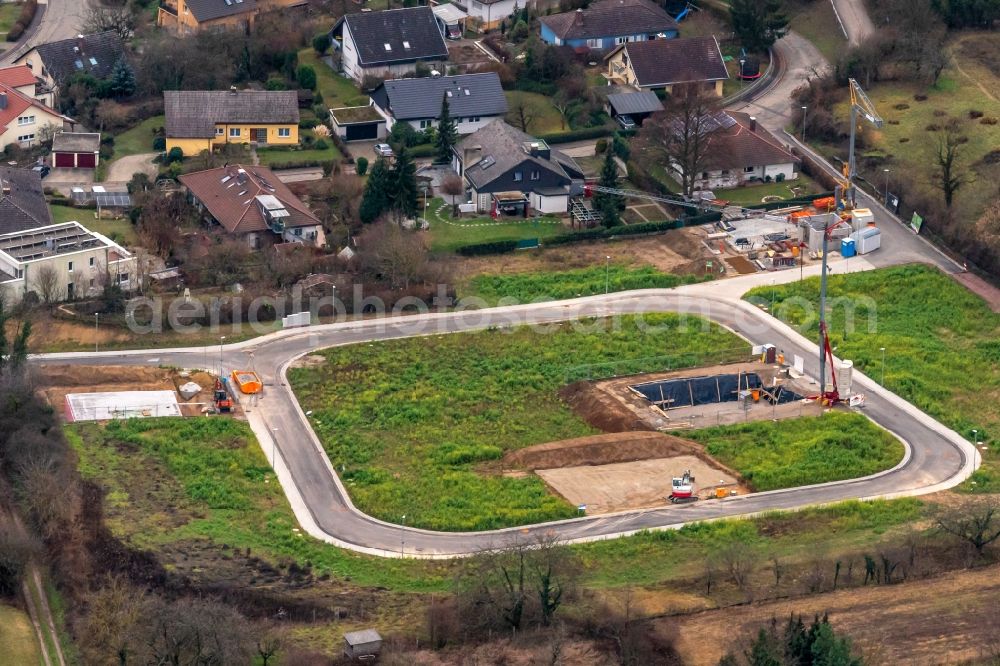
x=600, y=410
x=90, y=375
x=608, y=449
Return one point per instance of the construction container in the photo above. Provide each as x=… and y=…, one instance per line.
x=861, y=218
x=720, y=493
x=248, y=381
x=826, y=204
x=868, y=240
x=847, y=248
x=845, y=377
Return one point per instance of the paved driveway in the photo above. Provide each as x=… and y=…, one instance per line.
x=122, y=169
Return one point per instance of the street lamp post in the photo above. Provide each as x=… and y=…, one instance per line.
x=402, y=536
x=975, y=437
x=882, y=349
x=274, y=445
x=886, y=200
x=607, y=274
x=804, y=124
x=742, y=60
x=97, y=319
x=222, y=339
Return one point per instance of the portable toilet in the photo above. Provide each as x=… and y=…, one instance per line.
x=845, y=377
x=847, y=248
x=868, y=240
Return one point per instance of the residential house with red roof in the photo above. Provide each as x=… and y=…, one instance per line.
x=24, y=80
x=250, y=202
x=25, y=120
x=740, y=151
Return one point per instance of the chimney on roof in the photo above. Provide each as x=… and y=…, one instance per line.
x=3, y=100
x=232, y=90
x=753, y=123
x=79, y=43
x=472, y=155
x=4, y=188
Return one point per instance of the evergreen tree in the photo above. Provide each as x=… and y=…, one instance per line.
x=376, y=198
x=14, y=353
x=758, y=23
x=446, y=132
x=122, y=82
x=403, y=185
x=609, y=205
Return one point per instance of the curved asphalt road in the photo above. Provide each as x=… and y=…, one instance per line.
x=937, y=457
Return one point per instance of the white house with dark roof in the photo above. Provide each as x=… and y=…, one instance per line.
x=488, y=13
x=474, y=101
x=54, y=62
x=390, y=43
x=510, y=171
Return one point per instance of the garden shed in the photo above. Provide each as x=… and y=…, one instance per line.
x=76, y=150
x=362, y=645
x=358, y=123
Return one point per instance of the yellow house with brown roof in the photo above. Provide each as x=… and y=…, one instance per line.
x=198, y=120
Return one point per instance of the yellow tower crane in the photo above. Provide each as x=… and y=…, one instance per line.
x=860, y=104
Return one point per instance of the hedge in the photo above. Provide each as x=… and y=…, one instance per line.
x=494, y=247
x=422, y=150
x=577, y=135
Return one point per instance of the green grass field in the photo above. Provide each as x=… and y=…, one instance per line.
x=527, y=287
x=752, y=194
x=139, y=139
x=417, y=425
x=337, y=90
x=278, y=158
x=448, y=233
x=9, y=11
x=120, y=231
x=20, y=644
x=176, y=481
x=798, y=452
x=545, y=118
x=816, y=21
x=942, y=345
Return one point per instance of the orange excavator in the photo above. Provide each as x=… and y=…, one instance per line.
x=223, y=403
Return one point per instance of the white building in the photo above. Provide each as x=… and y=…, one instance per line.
x=62, y=262
x=474, y=101
x=388, y=44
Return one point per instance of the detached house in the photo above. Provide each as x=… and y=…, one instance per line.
x=509, y=171
x=608, y=23
x=489, y=13
x=23, y=80
x=186, y=16
x=388, y=44
x=739, y=151
x=665, y=63
x=55, y=62
x=474, y=100
x=251, y=203
x=24, y=120
x=197, y=120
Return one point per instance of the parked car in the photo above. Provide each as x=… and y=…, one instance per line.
x=383, y=150
x=626, y=122
x=42, y=169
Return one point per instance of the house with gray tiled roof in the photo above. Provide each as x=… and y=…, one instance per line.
x=509, y=171
x=388, y=44
x=197, y=120
x=607, y=23
x=661, y=64
x=474, y=101
x=22, y=201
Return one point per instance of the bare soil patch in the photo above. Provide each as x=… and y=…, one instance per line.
x=633, y=485
x=679, y=251
x=56, y=381
x=741, y=265
x=949, y=619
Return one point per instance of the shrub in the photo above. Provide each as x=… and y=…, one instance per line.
x=275, y=83
x=306, y=76
x=361, y=166
x=309, y=123
x=321, y=43
x=493, y=247
x=621, y=148
x=577, y=135
x=780, y=178
x=602, y=146
x=767, y=178
x=175, y=154
x=989, y=120
x=973, y=114
x=159, y=143
x=321, y=144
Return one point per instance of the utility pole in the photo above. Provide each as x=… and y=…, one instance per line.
x=97, y=318
x=607, y=274
x=804, y=124
x=886, y=200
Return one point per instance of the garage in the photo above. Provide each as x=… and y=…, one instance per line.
x=358, y=123
x=76, y=150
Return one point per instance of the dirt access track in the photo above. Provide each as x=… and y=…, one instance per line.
x=949, y=619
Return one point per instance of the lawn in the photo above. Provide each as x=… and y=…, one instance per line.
x=418, y=425
x=121, y=231
x=9, y=11
x=545, y=118
x=533, y=287
x=942, y=344
x=448, y=233
x=816, y=21
x=753, y=194
x=20, y=644
x=213, y=483
x=337, y=90
x=278, y=158
x=139, y=139
x=798, y=452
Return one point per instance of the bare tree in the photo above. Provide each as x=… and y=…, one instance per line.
x=561, y=101
x=679, y=136
x=739, y=559
x=102, y=18
x=950, y=175
x=454, y=187
x=45, y=279
x=976, y=523
x=522, y=115
x=394, y=254
x=109, y=627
